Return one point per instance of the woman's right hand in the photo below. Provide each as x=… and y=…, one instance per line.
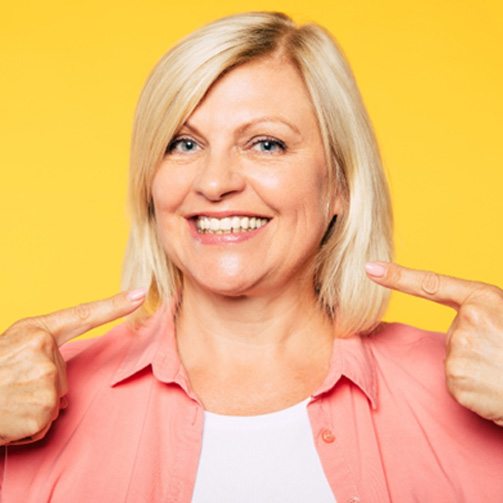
x=32, y=371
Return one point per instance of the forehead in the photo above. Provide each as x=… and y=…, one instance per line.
x=270, y=86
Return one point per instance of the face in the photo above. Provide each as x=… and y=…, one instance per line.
x=240, y=197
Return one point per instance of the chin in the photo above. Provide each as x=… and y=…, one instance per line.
x=229, y=287
x=227, y=276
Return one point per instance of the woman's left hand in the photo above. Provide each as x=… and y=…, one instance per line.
x=474, y=363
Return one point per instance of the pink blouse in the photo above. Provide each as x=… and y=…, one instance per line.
x=384, y=426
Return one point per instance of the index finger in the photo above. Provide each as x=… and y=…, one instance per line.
x=452, y=292
x=69, y=323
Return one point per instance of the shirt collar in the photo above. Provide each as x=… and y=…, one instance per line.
x=352, y=359
x=154, y=345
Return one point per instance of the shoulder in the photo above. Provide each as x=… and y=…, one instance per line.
x=410, y=374
x=92, y=363
x=410, y=358
x=397, y=340
x=401, y=335
x=414, y=402
x=113, y=341
x=409, y=365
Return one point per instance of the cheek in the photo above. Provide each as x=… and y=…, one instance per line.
x=169, y=188
x=300, y=185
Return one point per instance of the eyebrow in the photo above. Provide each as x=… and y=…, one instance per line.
x=254, y=122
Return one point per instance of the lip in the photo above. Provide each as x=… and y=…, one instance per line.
x=229, y=238
x=223, y=214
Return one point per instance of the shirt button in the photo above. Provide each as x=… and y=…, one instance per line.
x=354, y=499
x=327, y=436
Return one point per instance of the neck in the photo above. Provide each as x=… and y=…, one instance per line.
x=247, y=330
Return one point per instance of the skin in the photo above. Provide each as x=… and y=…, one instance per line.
x=249, y=309
x=248, y=312
x=474, y=359
x=32, y=371
x=226, y=170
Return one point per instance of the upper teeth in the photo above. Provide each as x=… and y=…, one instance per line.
x=229, y=224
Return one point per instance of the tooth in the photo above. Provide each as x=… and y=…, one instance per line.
x=229, y=224
x=214, y=224
x=225, y=224
x=235, y=223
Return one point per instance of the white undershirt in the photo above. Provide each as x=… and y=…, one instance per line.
x=270, y=458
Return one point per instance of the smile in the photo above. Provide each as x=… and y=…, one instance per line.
x=229, y=225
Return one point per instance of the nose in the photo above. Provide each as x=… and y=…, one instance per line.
x=219, y=177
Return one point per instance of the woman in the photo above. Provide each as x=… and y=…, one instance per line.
x=256, y=369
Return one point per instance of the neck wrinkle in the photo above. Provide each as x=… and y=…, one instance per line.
x=254, y=331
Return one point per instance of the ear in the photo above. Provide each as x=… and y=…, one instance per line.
x=335, y=205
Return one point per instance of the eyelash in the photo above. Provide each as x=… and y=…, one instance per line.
x=273, y=141
x=258, y=141
x=177, y=141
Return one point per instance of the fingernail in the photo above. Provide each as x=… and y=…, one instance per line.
x=375, y=269
x=136, y=295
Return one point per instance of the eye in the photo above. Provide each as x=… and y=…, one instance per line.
x=182, y=145
x=268, y=145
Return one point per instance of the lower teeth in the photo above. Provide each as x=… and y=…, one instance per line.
x=232, y=231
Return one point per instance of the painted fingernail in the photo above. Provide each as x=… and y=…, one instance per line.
x=375, y=269
x=136, y=295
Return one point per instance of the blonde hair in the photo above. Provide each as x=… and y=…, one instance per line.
x=180, y=80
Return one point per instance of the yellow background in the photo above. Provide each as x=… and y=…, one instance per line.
x=431, y=73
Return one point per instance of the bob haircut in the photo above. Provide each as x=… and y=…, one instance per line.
x=179, y=82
